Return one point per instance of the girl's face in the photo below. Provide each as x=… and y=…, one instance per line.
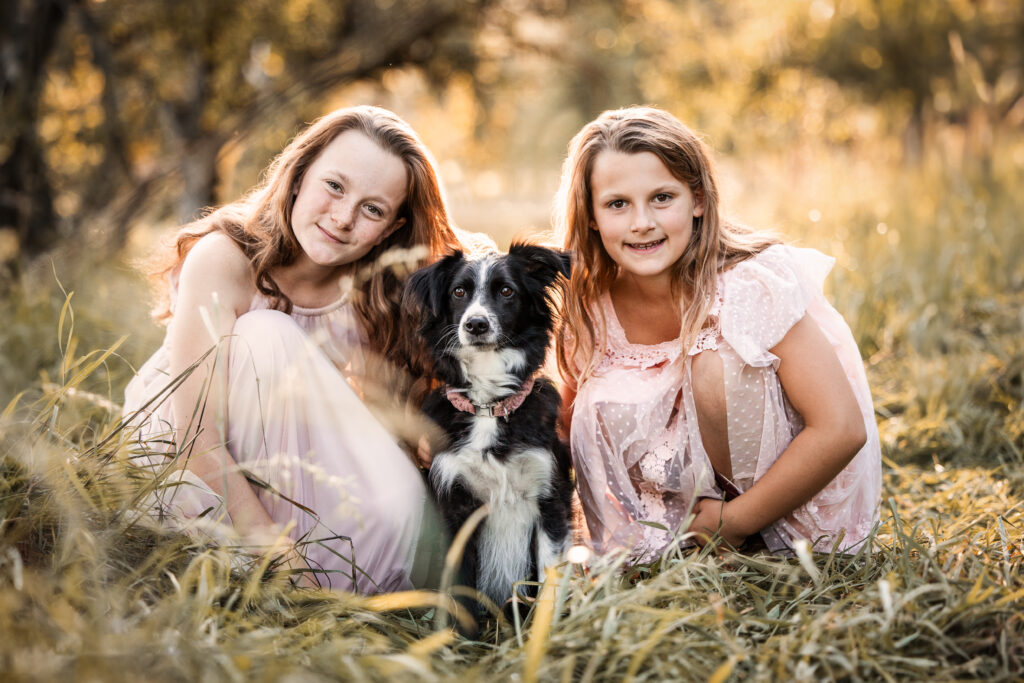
x=348, y=200
x=643, y=213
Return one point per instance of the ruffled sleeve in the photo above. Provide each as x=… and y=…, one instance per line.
x=766, y=295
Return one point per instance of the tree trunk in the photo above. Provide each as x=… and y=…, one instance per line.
x=199, y=170
x=28, y=32
x=913, y=134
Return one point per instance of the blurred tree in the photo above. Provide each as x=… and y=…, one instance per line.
x=28, y=36
x=899, y=50
x=123, y=105
x=549, y=63
x=131, y=92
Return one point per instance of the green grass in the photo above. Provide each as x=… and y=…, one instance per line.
x=91, y=590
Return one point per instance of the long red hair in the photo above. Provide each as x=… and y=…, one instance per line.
x=260, y=224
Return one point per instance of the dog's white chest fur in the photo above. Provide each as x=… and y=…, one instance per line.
x=523, y=476
x=511, y=488
x=490, y=372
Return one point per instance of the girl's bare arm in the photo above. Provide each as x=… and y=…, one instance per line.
x=214, y=289
x=817, y=386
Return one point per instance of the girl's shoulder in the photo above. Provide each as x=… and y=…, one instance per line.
x=216, y=263
x=218, y=245
x=216, y=254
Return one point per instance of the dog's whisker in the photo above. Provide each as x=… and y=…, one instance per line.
x=448, y=340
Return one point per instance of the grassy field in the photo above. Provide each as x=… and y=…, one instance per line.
x=931, y=278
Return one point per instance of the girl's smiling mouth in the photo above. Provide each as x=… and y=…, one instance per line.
x=645, y=247
x=329, y=235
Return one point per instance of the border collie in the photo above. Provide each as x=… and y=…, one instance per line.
x=488, y=323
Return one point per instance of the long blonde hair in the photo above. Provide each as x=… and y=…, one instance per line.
x=260, y=224
x=715, y=243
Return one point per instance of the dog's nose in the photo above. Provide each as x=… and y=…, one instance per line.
x=477, y=325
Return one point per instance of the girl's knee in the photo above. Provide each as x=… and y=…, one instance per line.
x=265, y=324
x=265, y=336
x=264, y=345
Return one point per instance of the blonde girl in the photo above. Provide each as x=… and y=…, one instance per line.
x=705, y=370
x=298, y=284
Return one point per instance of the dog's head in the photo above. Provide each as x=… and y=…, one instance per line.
x=495, y=304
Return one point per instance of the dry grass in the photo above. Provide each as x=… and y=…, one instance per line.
x=91, y=590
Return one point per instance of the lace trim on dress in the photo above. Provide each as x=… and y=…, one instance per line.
x=620, y=351
x=707, y=338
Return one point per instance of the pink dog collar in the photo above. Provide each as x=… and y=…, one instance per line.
x=502, y=408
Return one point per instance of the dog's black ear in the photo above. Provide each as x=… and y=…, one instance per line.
x=541, y=263
x=426, y=288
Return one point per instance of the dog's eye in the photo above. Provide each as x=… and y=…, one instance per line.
x=459, y=292
x=506, y=291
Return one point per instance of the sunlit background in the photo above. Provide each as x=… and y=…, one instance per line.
x=884, y=132
x=172, y=106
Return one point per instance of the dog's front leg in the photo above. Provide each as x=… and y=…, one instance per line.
x=549, y=552
x=457, y=506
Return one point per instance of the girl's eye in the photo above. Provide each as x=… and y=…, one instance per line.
x=375, y=210
x=459, y=292
x=334, y=185
x=662, y=197
x=616, y=204
x=506, y=292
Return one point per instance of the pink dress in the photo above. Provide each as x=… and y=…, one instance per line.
x=635, y=441
x=292, y=419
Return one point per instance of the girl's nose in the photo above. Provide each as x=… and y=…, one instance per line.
x=643, y=220
x=341, y=214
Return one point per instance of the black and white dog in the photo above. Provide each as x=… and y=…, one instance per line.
x=488, y=323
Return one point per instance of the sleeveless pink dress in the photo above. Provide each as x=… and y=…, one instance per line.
x=357, y=504
x=636, y=445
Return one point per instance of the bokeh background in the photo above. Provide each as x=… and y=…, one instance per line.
x=888, y=133
x=860, y=127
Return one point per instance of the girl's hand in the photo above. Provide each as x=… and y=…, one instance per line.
x=299, y=571
x=424, y=454
x=716, y=516
x=287, y=559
